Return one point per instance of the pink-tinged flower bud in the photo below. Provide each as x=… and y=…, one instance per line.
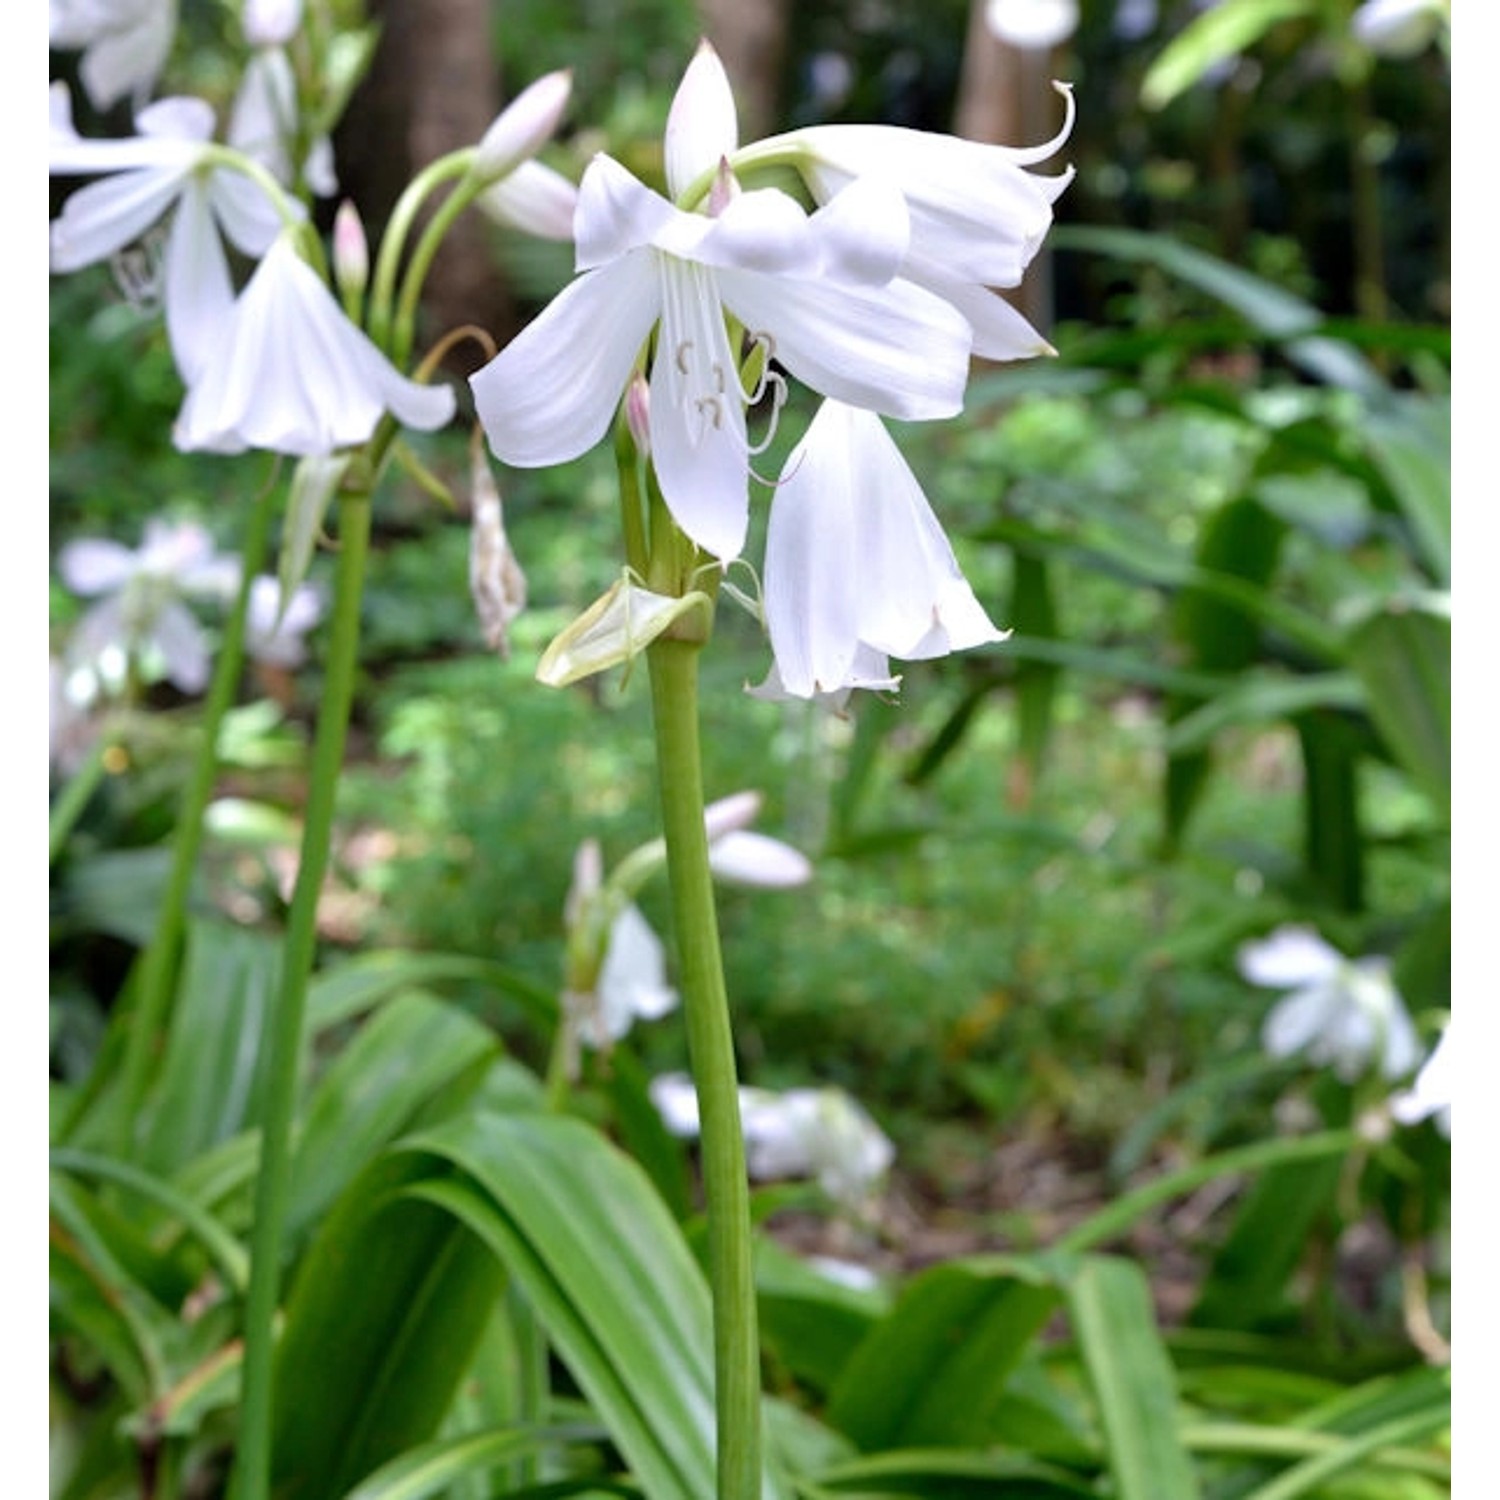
x=271, y=23
x=351, y=251
x=638, y=413
x=524, y=126
x=725, y=190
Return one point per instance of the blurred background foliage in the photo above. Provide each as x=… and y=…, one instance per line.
x=1216, y=522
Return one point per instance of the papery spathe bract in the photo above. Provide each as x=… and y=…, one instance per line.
x=817, y=290
x=857, y=566
x=291, y=374
x=163, y=169
x=125, y=43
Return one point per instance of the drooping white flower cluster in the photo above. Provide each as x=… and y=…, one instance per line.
x=276, y=364
x=876, y=300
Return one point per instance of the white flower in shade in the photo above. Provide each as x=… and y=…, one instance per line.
x=124, y=42
x=1034, y=25
x=823, y=1133
x=1340, y=1013
x=978, y=216
x=857, y=566
x=816, y=292
x=161, y=170
x=270, y=23
x=1399, y=28
x=263, y=124
x=291, y=374
x=142, y=619
x=273, y=633
x=1431, y=1092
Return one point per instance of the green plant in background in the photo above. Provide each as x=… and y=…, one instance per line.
x=1016, y=912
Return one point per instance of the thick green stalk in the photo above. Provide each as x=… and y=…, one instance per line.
x=159, y=961
x=674, y=699
x=251, y=1479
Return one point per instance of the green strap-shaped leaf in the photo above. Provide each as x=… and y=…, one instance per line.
x=431, y=1467
x=1217, y=34
x=1134, y=1386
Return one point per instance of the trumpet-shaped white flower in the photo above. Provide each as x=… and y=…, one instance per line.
x=1399, y=28
x=142, y=618
x=164, y=169
x=124, y=42
x=978, y=216
x=274, y=631
x=816, y=292
x=1034, y=25
x=823, y=1133
x=1431, y=1092
x=1340, y=1013
x=291, y=374
x=857, y=566
x=263, y=124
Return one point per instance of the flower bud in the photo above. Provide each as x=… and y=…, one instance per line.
x=524, y=126
x=271, y=23
x=638, y=413
x=351, y=252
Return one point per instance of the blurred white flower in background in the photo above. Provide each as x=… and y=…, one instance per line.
x=124, y=43
x=142, y=622
x=273, y=634
x=1399, y=28
x=1341, y=1013
x=1032, y=24
x=1431, y=1092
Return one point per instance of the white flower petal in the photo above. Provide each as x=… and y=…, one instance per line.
x=1295, y=1022
x=676, y=1101
x=698, y=444
x=95, y=565
x=106, y=216
x=746, y=858
x=866, y=231
x=616, y=214
x=183, y=647
x=738, y=810
x=1289, y=956
x=199, y=294
x=897, y=349
x=702, y=126
x=1000, y=332
x=633, y=977
x=551, y=393
x=533, y=198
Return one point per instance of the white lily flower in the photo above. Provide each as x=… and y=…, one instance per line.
x=161, y=170
x=822, y=1133
x=1034, y=25
x=263, y=124
x=1399, y=28
x=978, y=216
x=270, y=23
x=274, y=632
x=1431, y=1092
x=1340, y=1013
x=857, y=566
x=291, y=374
x=816, y=291
x=142, y=617
x=124, y=42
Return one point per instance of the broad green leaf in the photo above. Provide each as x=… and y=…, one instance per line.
x=934, y=1371
x=408, y=1053
x=1230, y=27
x=208, y=1085
x=430, y=1468
x=1268, y=308
x=1403, y=656
x=1109, y=1303
x=383, y=1315
x=1410, y=441
x=609, y=1274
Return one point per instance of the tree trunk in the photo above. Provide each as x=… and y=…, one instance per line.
x=434, y=87
x=750, y=37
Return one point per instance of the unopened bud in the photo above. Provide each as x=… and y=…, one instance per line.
x=351, y=252
x=524, y=126
x=638, y=413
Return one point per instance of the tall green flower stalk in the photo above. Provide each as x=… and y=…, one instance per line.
x=252, y=1472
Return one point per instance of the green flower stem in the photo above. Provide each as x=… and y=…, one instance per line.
x=421, y=262
x=251, y=1479
x=674, y=700
x=159, y=961
x=397, y=229
x=75, y=796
